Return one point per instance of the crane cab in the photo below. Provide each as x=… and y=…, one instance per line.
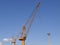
x=22, y=39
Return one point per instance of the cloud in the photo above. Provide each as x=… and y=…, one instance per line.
x=5, y=40
x=0, y=43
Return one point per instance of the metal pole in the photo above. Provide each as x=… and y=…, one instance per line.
x=48, y=38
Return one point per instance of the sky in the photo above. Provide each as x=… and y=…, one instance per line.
x=14, y=13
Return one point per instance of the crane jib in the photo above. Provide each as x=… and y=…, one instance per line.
x=33, y=15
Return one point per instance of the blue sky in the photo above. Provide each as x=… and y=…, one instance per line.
x=13, y=14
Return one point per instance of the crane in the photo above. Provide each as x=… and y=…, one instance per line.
x=24, y=31
x=13, y=40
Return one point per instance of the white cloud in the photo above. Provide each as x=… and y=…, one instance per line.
x=5, y=40
x=0, y=43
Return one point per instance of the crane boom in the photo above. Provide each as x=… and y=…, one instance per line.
x=33, y=15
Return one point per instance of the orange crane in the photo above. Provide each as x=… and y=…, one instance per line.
x=24, y=31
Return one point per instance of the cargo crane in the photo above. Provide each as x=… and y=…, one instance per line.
x=24, y=31
x=13, y=40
